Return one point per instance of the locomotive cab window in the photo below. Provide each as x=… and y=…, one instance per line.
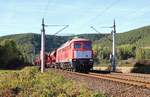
x=87, y=45
x=77, y=45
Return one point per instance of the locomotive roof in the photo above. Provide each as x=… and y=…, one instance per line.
x=72, y=40
x=79, y=39
x=53, y=52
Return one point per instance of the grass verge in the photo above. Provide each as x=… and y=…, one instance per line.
x=30, y=82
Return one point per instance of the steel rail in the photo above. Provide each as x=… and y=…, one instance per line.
x=114, y=79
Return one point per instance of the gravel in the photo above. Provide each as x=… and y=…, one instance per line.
x=109, y=88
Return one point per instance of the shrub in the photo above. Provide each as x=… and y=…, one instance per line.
x=31, y=82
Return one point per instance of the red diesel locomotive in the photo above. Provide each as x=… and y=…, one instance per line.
x=75, y=54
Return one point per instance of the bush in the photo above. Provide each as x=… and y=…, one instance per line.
x=10, y=56
x=31, y=82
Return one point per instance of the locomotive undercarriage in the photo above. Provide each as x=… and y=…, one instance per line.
x=79, y=65
x=84, y=65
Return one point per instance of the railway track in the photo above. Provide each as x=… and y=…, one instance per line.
x=134, y=76
x=123, y=79
x=118, y=79
x=110, y=86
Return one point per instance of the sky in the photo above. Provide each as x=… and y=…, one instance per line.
x=25, y=16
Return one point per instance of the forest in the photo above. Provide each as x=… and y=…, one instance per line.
x=134, y=44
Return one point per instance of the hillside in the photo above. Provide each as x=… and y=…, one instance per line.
x=132, y=44
x=30, y=43
x=138, y=37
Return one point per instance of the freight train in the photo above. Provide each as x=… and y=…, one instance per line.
x=76, y=55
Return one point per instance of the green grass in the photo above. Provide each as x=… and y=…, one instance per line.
x=30, y=82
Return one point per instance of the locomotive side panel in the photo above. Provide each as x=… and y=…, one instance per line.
x=64, y=54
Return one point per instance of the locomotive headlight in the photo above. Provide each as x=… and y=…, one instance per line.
x=91, y=60
x=73, y=59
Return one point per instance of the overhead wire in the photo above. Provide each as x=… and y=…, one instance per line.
x=46, y=9
x=102, y=12
x=136, y=12
x=109, y=7
x=61, y=29
x=45, y=15
x=106, y=9
x=141, y=10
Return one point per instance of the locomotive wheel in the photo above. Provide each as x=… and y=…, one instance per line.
x=74, y=70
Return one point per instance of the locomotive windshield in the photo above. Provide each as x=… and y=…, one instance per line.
x=87, y=45
x=84, y=45
x=77, y=45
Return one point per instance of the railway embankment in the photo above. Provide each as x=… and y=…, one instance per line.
x=112, y=85
x=124, y=69
x=129, y=66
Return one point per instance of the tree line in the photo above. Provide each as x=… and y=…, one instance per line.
x=123, y=52
x=10, y=55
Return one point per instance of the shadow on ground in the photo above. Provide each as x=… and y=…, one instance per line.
x=14, y=66
x=101, y=71
x=142, y=66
